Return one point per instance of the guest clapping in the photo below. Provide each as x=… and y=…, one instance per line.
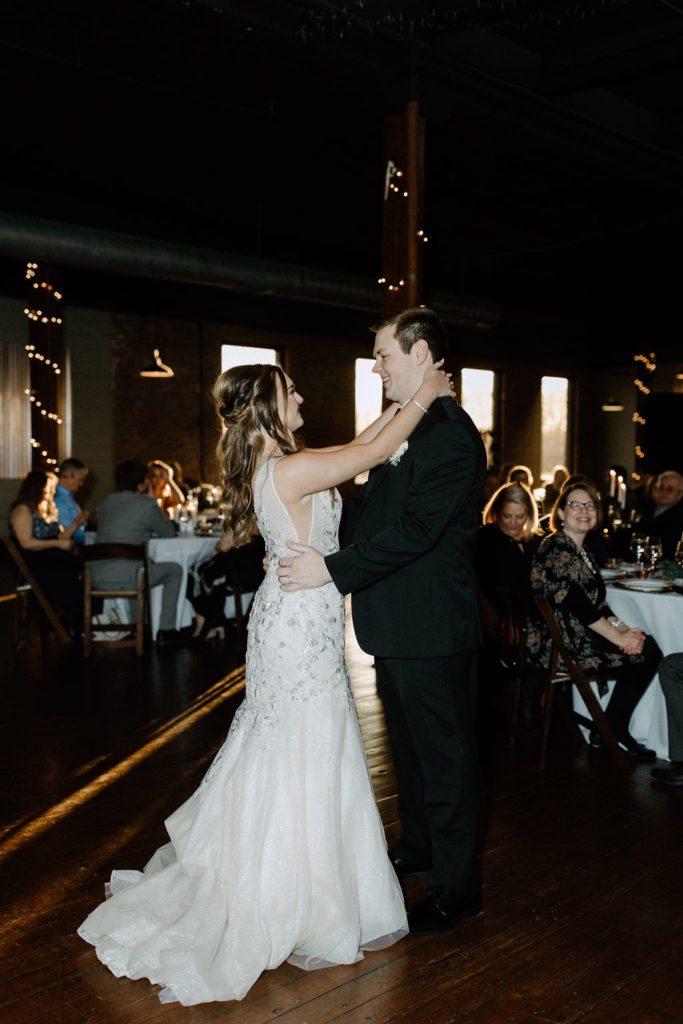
x=566, y=573
x=47, y=548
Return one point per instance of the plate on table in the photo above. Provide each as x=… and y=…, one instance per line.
x=610, y=573
x=646, y=586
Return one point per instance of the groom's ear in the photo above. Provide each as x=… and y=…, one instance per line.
x=420, y=351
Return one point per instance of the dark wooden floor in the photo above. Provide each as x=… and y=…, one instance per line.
x=582, y=867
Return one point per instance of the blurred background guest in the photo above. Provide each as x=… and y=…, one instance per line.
x=47, y=549
x=553, y=488
x=490, y=485
x=665, y=517
x=521, y=475
x=71, y=477
x=505, y=547
x=162, y=485
x=131, y=516
x=565, y=573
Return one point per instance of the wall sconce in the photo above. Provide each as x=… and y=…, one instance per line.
x=157, y=368
x=611, y=405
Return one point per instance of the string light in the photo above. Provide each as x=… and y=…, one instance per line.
x=650, y=365
x=41, y=316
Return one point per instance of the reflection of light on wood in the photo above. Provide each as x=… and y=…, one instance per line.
x=244, y=355
x=554, y=403
x=368, y=398
x=476, y=397
x=202, y=705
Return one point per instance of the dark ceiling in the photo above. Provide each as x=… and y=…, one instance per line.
x=554, y=154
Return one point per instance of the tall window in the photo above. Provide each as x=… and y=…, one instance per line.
x=242, y=355
x=477, y=397
x=368, y=399
x=554, y=417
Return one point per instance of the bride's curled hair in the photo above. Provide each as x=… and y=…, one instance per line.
x=246, y=399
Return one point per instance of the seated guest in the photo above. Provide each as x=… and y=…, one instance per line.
x=131, y=516
x=162, y=485
x=210, y=582
x=505, y=547
x=666, y=516
x=520, y=475
x=671, y=681
x=46, y=548
x=565, y=572
x=490, y=485
x=72, y=474
x=553, y=489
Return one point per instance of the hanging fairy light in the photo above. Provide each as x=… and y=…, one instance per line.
x=649, y=365
x=40, y=311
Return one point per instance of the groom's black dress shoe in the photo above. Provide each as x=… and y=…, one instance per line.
x=673, y=775
x=440, y=909
x=404, y=868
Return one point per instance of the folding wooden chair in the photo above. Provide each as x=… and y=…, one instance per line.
x=559, y=682
x=123, y=552
x=26, y=582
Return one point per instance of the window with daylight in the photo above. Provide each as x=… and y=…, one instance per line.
x=243, y=355
x=477, y=397
x=554, y=421
x=368, y=403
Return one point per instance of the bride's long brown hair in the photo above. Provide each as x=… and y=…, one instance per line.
x=246, y=401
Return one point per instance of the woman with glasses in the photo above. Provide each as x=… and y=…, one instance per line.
x=566, y=573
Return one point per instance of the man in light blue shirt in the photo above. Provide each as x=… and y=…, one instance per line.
x=72, y=474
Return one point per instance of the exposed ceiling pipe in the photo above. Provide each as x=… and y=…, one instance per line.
x=110, y=252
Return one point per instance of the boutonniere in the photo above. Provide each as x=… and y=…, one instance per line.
x=398, y=454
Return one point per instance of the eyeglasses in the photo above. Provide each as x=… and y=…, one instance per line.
x=589, y=506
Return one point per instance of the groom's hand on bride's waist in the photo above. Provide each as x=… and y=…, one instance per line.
x=303, y=571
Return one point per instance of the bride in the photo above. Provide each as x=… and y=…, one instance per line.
x=280, y=853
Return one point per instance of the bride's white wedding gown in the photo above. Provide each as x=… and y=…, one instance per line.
x=280, y=853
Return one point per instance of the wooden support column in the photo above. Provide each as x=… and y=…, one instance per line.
x=403, y=210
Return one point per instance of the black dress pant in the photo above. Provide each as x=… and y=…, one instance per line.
x=632, y=680
x=430, y=707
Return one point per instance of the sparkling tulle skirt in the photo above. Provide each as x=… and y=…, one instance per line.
x=279, y=855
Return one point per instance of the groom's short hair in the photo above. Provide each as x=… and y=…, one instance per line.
x=413, y=324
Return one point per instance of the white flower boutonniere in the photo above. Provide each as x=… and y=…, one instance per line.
x=398, y=454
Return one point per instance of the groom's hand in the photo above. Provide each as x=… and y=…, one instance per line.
x=304, y=571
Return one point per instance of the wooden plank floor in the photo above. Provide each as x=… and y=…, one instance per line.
x=582, y=867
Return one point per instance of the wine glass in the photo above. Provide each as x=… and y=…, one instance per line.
x=654, y=551
x=638, y=548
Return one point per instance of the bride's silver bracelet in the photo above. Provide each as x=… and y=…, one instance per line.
x=415, y=402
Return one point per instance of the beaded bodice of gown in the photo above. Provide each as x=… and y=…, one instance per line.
x=296, y=641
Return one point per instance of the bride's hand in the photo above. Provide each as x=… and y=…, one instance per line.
x=438, y=380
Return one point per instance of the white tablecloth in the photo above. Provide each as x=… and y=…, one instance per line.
x=660, y=615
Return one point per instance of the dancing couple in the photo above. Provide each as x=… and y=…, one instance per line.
x=280, y=853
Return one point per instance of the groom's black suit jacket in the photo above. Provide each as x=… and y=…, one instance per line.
x=411, y=532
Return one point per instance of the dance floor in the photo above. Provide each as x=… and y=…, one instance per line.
x=582, y=866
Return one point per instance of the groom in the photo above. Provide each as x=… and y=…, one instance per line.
x=408, y=565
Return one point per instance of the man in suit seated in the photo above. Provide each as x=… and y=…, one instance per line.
x=130, y=516
x=666, y=518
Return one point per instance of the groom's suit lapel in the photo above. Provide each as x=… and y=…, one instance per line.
x=378, y=474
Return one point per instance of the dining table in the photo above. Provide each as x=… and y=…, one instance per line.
x=657, y=610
